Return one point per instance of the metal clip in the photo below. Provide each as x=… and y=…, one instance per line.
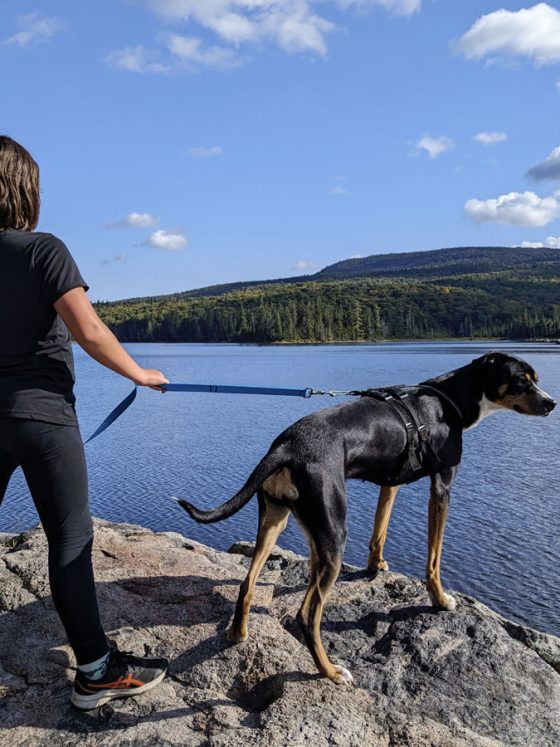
x=329, y=393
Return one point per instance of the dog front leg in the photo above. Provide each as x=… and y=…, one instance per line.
x=437, y=516
x=387, y=497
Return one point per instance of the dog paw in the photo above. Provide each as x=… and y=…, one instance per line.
x=236, y=636
x=342, y=676
x=378, y=566
x=449, y=602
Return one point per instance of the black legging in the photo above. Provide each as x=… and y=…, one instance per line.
x=53, y=462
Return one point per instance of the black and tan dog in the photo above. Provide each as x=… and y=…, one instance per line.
x=390, y=437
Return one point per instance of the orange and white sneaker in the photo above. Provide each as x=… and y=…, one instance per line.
x=126, y=675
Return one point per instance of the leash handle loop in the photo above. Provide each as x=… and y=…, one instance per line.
x=114, y=414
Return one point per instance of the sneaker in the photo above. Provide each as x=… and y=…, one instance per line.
x=126, y=675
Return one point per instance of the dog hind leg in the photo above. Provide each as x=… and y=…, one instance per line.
x=387, y=497
x=272, y=522
x=437, y=516
x=326, y=534
x=311, y=613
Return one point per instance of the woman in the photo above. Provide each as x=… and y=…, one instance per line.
x=42, y=296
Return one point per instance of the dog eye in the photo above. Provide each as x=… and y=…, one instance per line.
x=522, y=382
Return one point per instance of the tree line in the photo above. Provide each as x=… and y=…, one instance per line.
x=505, y=305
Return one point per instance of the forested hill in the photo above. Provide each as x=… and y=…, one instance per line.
x=434, y=263
x=459, y=261
x=459, y=292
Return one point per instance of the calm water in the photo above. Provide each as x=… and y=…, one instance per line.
x=501, y=542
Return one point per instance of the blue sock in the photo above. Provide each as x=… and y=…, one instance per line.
x=95, y=669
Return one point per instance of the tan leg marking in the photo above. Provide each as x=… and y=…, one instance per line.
x=280, y=485
x=323, y=576
x=437, y=516
x=387, y=497
x=271, y=526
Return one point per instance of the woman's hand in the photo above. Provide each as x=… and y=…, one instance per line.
x=152, y=378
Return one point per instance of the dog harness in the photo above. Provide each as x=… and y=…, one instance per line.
x=420, y=454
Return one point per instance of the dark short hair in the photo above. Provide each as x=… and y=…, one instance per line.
x=19, y=187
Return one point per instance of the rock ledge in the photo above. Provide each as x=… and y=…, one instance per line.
x=422, y=677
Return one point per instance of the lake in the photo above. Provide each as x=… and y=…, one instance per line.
x=501, y=541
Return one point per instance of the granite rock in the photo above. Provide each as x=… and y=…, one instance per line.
x=422, y=677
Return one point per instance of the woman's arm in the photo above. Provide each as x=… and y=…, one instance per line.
x=76, y=311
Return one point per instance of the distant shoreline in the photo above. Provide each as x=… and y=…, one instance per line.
x=354, y=343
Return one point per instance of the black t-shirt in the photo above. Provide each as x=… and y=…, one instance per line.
x=36, y=362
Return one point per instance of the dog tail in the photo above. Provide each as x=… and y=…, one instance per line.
x=269, y=464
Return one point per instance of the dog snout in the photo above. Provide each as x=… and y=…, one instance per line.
x=546, y=403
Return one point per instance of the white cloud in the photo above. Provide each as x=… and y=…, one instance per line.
x=241, y=17
x=135, y=60
x=399, y=7
x=516, y=209
x=339, y=189
x=35, y=27
x=490, y=138
x=292, y=25
x=235, y=28
x=191, y=52
x=136, y=220
x=547, y=169
x=434, y=146
x=529, y=32
x=298, y=32
x=118, y=258
x=187, y=53
x=304, y=265
x=167, y=240
x=141, y=220
x=203, y=151
x=551, y=242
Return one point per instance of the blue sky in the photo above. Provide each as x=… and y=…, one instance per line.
x=184, y=143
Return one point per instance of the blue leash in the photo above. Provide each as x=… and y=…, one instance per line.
x=114, y=414
x=225, y=389
x=215, y=389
